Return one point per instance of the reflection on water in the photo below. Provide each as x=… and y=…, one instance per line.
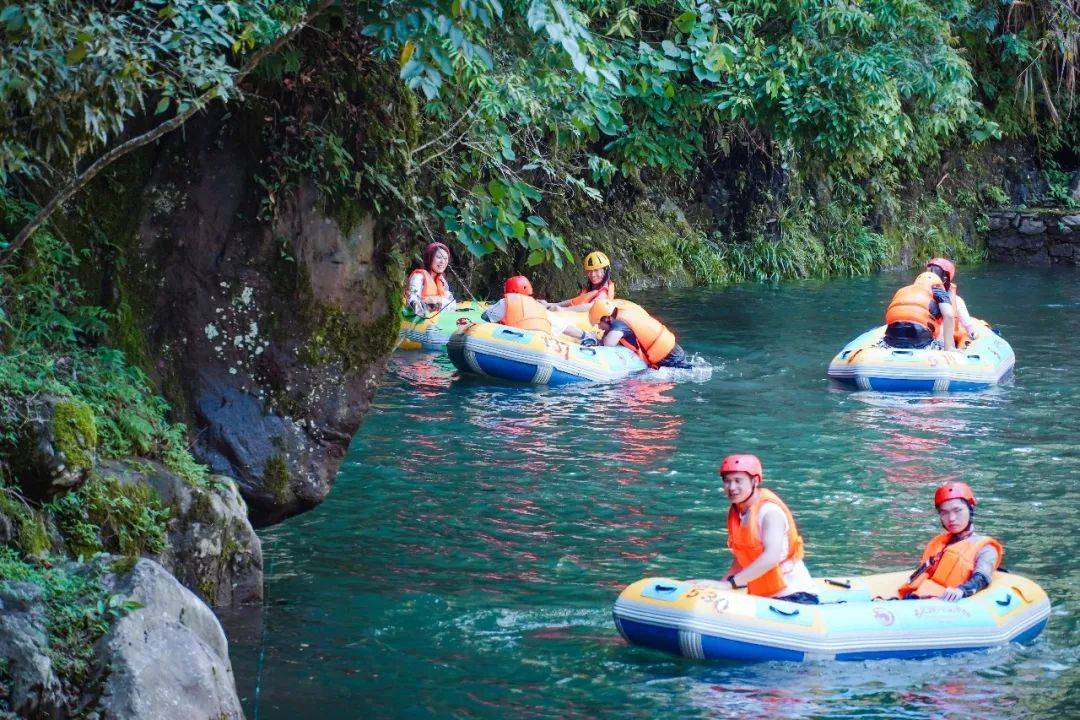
x=466, y=563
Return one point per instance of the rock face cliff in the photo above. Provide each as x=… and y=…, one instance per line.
x=268, y=333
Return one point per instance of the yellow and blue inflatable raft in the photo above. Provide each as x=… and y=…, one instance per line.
x=868, y=364
x=706, y=619
x=499, y=351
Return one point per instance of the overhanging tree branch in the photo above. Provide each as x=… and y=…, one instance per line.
x=79, y=181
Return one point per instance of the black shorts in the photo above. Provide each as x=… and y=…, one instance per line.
x=908, y=335
x=676, y=359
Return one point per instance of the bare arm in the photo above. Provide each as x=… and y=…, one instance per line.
x=948, y=322
x=612, y=338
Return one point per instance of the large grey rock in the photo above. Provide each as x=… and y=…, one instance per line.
x=269, y=335
x=167, y=660
x=55, y=447
x=33, y=688
x=213, y=550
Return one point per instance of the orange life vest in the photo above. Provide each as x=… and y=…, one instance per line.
x=434, y=285
x=911, y=303
x=746, y=543
x=587, y=296
x=525, y=313
x=945, y=566
x=654, y=341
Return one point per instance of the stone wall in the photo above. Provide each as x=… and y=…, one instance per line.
x=1034, y=237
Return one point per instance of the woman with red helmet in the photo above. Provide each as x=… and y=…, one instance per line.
x=426, y=289
x=959, y=562
x=519, y=309
x=762, y=536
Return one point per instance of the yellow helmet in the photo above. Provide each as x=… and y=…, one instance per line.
x=600, y=308
x=596, y=260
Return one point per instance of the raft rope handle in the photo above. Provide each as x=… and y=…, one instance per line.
x=1020, y=592
x=665, y=588
x=778, y=611
x=1008, y=601
x=588, y=349
x=839, y=583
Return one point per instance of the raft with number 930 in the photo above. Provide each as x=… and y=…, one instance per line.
x=707, y=619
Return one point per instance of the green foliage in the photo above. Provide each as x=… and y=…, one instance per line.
x=74, y=74
x=54, y=335
x=30, y=534
x=78, y=611
x=105, y=515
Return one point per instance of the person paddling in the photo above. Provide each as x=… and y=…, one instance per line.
x=959, y=562
x=762, y=536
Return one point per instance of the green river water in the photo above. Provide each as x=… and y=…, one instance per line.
x=466, y=562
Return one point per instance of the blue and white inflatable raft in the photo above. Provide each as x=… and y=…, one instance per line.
x=538, y=358
x=868, y=364
x=707, y=620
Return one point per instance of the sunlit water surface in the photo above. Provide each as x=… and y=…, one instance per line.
x=466, y=562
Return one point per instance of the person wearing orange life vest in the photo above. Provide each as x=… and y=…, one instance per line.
x=519, y=309
x=762, y=536
x=634, y=328
x=959, y=562
x=599, y=285
x=918, y=311
x=426, y=289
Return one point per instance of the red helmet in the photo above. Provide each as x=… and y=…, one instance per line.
x=741, y=463
x=953, y=490
x=946, y=265
x=518, y=284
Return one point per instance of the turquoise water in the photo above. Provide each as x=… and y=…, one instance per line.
x=466, y=562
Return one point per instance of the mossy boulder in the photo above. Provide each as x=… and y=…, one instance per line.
x=269, y=333
x=56, y=446
x=211, y=547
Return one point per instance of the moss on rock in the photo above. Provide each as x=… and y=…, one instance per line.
x=31, y=537
x=75, y=433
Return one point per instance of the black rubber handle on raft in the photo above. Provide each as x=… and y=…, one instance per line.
x=839, y=583
x=664, y=588
x=589, y=349
x=507, y=331
x=1008, y=600
x=778, y=611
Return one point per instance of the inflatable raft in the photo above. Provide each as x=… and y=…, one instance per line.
x=538, y=358
x=866, y=363
x=432, y=332
x=706, y=619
